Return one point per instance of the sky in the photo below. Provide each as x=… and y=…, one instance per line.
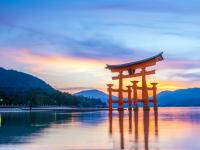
x=68, y=43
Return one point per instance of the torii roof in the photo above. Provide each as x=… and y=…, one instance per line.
x=156, y=58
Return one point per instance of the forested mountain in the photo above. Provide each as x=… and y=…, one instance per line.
x=18, y=88
x=12, y=82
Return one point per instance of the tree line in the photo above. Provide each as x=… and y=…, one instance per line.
x=37, y=97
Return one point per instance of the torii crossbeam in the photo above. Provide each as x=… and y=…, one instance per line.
x=130, y=72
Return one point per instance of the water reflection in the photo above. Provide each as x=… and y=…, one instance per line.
x=110, y=122
x=18, y=127
x=130, y=121
x=121, y=128
x=136, y=126
x=136, y=129
x=156, y=122
x=167, y=129
x=146, y=129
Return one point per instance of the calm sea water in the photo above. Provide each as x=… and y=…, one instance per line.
x=168, y=129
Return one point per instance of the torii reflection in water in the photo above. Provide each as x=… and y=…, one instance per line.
x=146, y=123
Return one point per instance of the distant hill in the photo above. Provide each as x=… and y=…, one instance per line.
x=182, y=97
x=12, y=82
x=94, y=94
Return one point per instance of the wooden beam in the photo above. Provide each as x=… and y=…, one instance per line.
x=117, y=90
x=117, y=101
x=140, y=100
x=135, y=75
x=136, y=66
x=148, y=88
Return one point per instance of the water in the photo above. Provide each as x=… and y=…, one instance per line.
x=169, y=129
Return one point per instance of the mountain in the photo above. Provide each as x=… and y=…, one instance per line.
x=96, y=94
x=182, y=97
x=12, y=82
x=93, y=94
x=18, y=88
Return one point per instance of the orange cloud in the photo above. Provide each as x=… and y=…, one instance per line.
x=55, y=61
x=81, y=71
x=72, y=71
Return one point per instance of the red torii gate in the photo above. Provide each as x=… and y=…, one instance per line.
x=131, y=68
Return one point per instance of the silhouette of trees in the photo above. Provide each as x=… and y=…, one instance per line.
x=38, y=97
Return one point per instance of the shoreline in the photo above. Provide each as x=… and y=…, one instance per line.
x=70, y=109
x=33, y=109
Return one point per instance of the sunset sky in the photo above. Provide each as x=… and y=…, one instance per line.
x=68, y=43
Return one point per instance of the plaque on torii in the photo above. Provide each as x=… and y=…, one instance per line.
x=128, y=70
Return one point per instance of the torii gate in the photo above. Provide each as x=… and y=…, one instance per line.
x=131, y=68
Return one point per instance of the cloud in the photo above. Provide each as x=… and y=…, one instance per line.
x=46, y=38
x=47, y=43
x=81, y=37
x=27, y=56
x=179, y=64
x=74, y=89
x=194, y=77
x=102, y=49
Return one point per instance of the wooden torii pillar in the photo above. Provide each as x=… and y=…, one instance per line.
x=128, y=70
x=129, y=97
x=155, y=100
x=135, y=95
x=110, y=96
x=120, y=93
x=144, y=90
